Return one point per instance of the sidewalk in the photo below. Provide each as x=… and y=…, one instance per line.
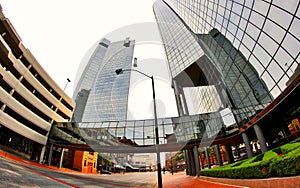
x=280, y=182
x=181, y=180
x=32, y=163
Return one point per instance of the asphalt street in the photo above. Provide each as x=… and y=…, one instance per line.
x=15, y=174
x=23, y=173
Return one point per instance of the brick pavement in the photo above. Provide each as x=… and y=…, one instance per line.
x=181, y=180
x=281, y=182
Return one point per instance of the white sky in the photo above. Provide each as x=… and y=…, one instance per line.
x=60, y=32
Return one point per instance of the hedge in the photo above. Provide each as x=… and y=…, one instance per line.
x=279, y=162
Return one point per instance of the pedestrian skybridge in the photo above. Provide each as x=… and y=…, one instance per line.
x=139, y=136
x=174, y=133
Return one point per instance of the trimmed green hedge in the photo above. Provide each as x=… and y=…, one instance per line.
x=287, y=165
x=279, y=162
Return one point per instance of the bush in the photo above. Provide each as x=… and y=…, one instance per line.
x=279, y=162
x=289, y=147
x=287, y=165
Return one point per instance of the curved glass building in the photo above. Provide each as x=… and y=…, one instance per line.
x=235, y=73
x=248, y=49
x=238, y=57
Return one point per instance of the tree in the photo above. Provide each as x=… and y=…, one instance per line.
x=179, y=157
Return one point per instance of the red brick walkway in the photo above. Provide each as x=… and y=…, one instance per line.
x=181, y=180
x=283, y=182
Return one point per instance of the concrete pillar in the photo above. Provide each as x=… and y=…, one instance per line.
x=186, y=110
x=187, y=163
x=197, y=162
x=180, y=99
x=177, y=97
x=261, y=138
x=207, y=156
x=50, y=154
x=42, y=154
x=247, y=144
x=218, y=154
x=192, y=162
x=61, y=157
x=229, y=154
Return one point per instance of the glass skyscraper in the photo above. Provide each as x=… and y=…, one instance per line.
x=237, y=57
x=99, y=95
x=247, y=50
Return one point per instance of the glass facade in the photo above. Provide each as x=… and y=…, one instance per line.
x=247, y=50
x=116, y=135
x=181, y=46
x=208, y=97
x=100, y=94
x=246, y=92
x=212, y=49
x=265, y=32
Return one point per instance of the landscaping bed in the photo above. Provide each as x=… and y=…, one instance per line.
x=280, y=162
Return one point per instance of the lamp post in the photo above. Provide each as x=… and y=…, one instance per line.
x=159, y=178
x=68, y=80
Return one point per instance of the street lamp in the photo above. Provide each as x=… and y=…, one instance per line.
x=159, y=178
x=68, y=80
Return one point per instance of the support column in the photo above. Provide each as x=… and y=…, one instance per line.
x=229, y=154
x=197, y=162
x=177, y=97
x=50, y=154
x=187, y=162
x=207, y=157
x=247, y=144
x=180, y=99
x=42, y=154
x=261, y=138
x=182, y=96
x=192, y=162
x=61, y=157
x=218, y=154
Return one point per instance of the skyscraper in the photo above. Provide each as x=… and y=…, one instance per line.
x=237, y=57
x=246, y=50
x=99, y=96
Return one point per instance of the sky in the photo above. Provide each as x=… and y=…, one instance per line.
x=61, y=35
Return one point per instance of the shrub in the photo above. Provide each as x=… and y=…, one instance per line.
x=279, y=162
x=287, y=165
x=289, y=147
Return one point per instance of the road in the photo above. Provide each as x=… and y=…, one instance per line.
x=15, y=174
x=23, y=174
